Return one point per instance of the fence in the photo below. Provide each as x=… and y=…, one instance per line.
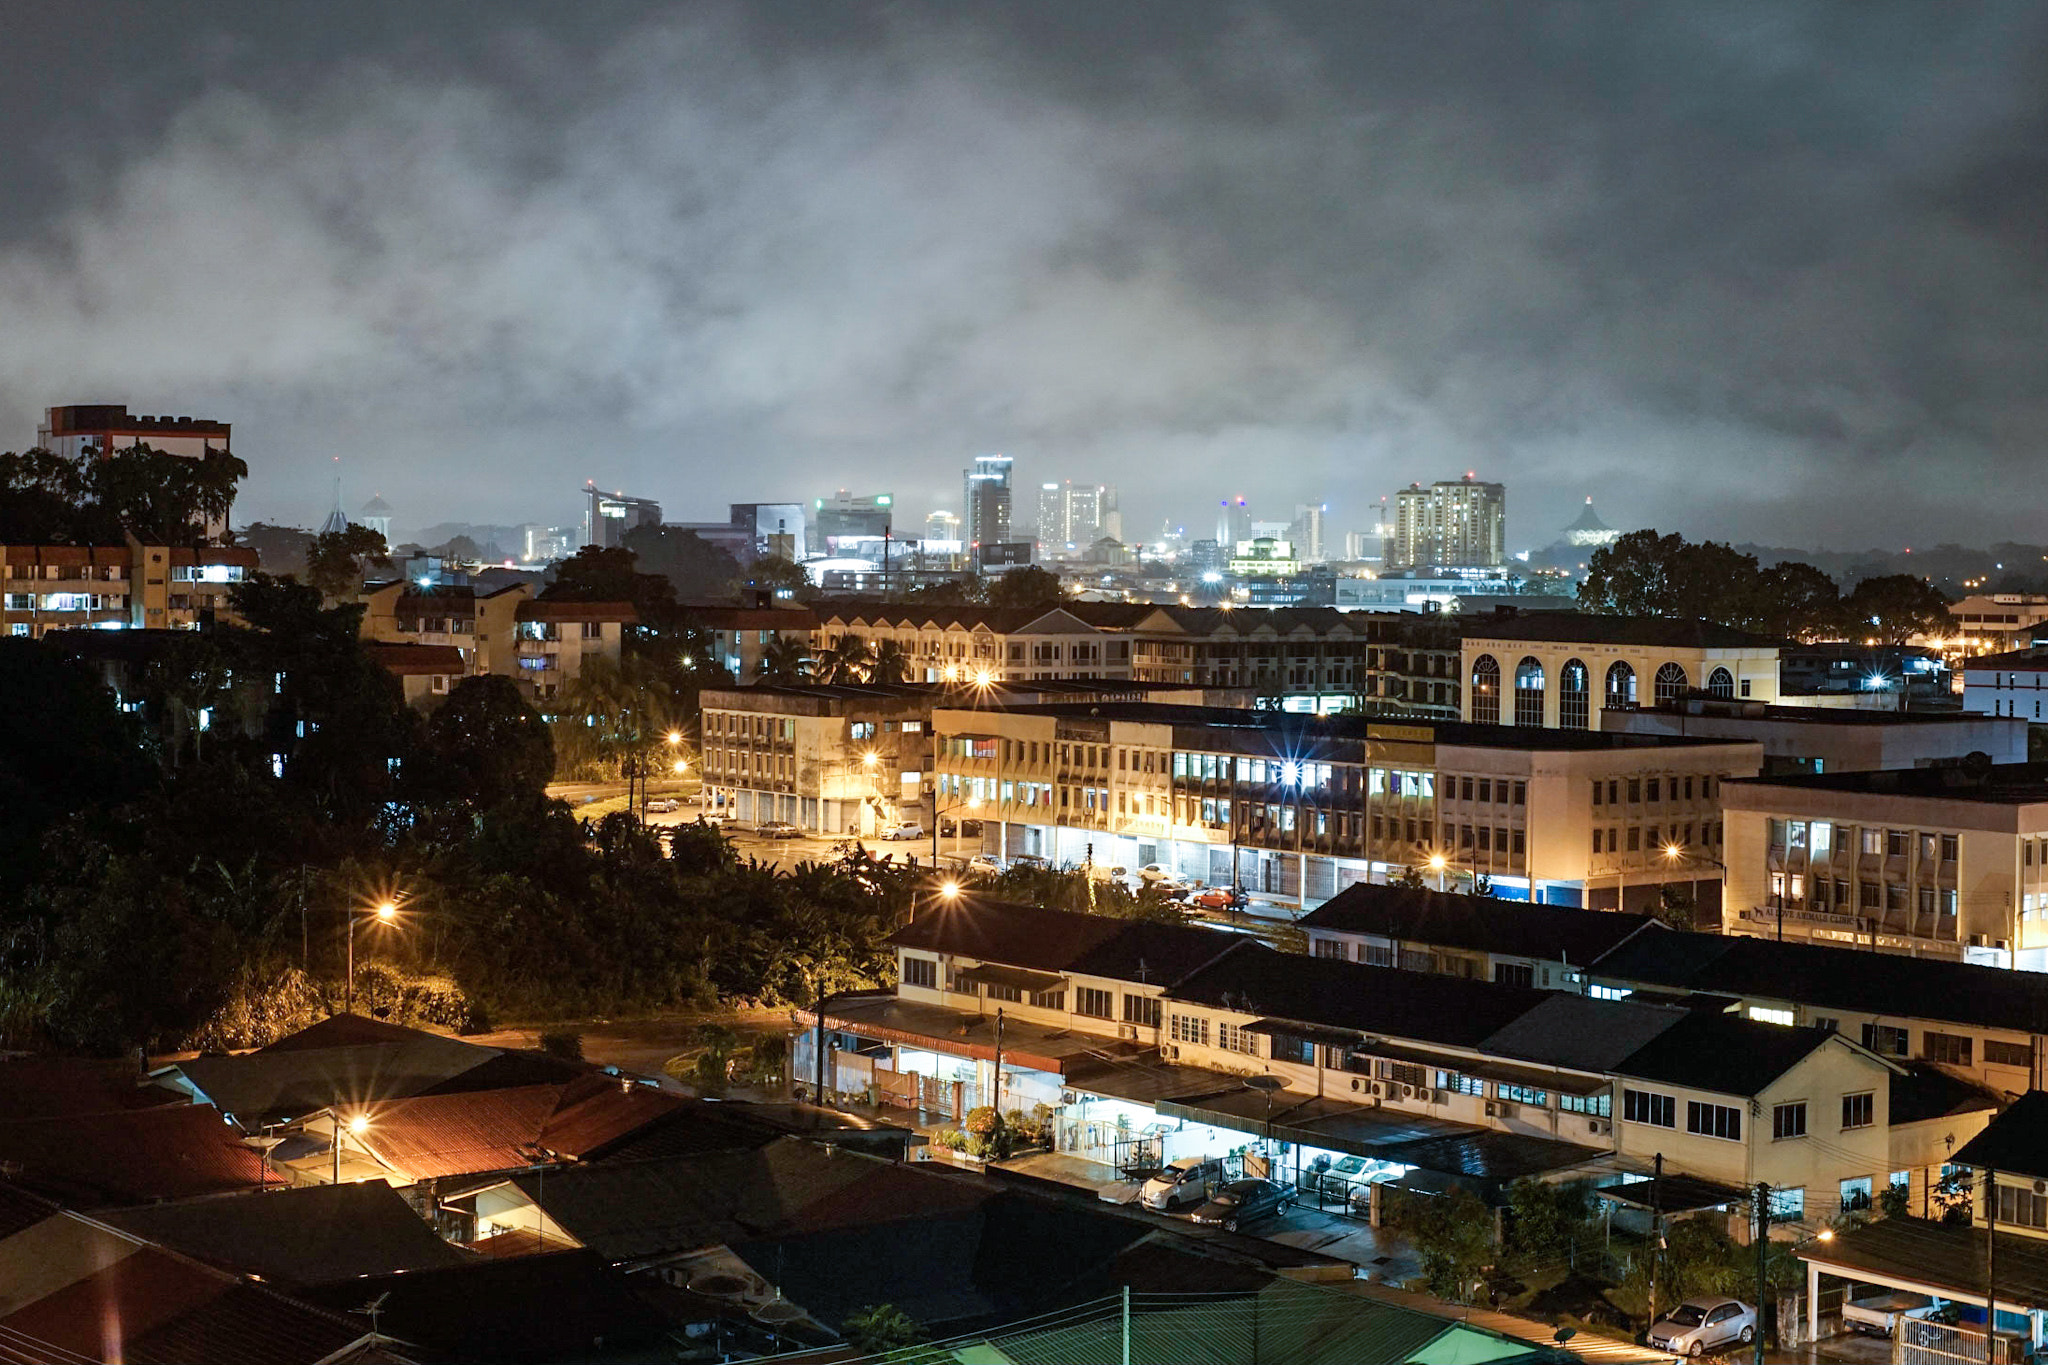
x=1922, y=1342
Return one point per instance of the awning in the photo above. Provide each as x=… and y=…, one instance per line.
x=1536, y=1078
x=1675, y=1194
x=1020, y=978
x=1315, y=1033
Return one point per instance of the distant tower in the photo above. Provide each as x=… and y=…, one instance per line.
x=337, y=520
x=986, y=515
x=377, y=516
x=1589, y=532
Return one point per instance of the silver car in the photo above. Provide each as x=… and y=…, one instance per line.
x=1698, y=1326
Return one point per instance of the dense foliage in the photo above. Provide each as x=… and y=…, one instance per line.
x=1647, y=574
x=167, y=895
x=164, y=499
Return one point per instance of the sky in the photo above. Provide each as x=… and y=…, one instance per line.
x=1774, y=273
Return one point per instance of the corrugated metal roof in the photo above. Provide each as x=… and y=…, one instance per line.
x=130, y=1156
x=436, y=1135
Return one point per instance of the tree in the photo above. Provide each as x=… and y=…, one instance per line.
x=1545, y=1219
x=786, y=660
x=1895, y=608
x=487, y=744
x=693, y=567
x=1647, y=574
x=336, y=563
x=775, y=574
x=891, y=663
x=65, y=747
x=881, y=1328
x=1452, y=1234
x=1028, y=587
x=1410, y=876
x=460, y=548
x=1793, y=600
x=1675, y=908
x=849, y=660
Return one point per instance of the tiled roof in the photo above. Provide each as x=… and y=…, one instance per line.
x=1727, y=1055
x=47, y=1087
x=2002, y=784
x=556, y=609
x=408, y=660
x=435, y=1135
x=346, y=1030
x=130, y=1156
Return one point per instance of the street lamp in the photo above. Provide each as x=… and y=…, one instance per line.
x=1437, y=864
x=356, y=1124
x=385, y=912
x=1675, y=852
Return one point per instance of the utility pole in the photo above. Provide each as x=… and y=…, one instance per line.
x=1656, y=1231
x=1990, y=1266
x=996, y=1089
x=1763, y=1252
x=1127, y=1325
x=818, y=1006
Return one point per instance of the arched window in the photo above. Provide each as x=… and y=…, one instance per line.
x=1529, y=692
x=1574, y=699
x=1721, y=683
x=1485, y=690
x=1671, y=683
x=1621, y=685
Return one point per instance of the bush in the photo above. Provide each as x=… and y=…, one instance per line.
x=564, y=1043
x=981, y=1121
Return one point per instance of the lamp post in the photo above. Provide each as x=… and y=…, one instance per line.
x=1437, y=864
x=1674, y=853
x=356, y=1124
x=384, y=913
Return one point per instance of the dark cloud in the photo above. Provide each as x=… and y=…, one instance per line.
x=1768, y=272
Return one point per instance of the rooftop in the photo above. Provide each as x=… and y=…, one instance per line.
x=1723, y=709
x=1653, y=632
x=2001, y=784
x=1884, y=984
x=2020, y=659
x=1480, y=923
x=1948, y=1258
x=2014, y=1143
x=1722, y=1053
x=130, y=1156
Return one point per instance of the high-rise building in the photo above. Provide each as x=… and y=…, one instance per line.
x=777, y=528
x=1452, y=524
x=608, y=516
x=1233, y=522
x=846, y=517
x=1074, y=514
x=1307, y=533
x=104, y=428
x=987, y=504
x=1052, y=517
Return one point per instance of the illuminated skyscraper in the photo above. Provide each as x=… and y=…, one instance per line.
x=987, y=503
x=1452, y=524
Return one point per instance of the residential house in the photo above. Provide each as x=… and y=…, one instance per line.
x=1453, y=934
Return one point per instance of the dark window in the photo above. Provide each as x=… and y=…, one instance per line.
x=1287, y=1048
x=1859, y=1111
x=1788, y=1121
x=1096, y=1004
x=1645, y=1106
x=1514, y=973
x=1144, y=1009
x=1714, y=1120
x=920, y=971
x=1885, y=1040
x=1000, y=992
x=1948, y=848
x=1952, y=1048
x=2007, y=1054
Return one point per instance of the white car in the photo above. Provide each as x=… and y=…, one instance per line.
x=909, y=829
x=1155, y=872
x=1698, y=1326
x=720, y=816
x=662, y=805
x=1182, y=1183
x=985, y=864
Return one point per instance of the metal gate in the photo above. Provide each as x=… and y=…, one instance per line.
x=1942, y=1343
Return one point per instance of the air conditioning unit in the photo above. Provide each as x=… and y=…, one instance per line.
x=1168, y=1051
x=1357, y=1084
x=1499, y=1109
x=1376, y=1088
x=1595, y=1127
x=1492, y=1110
x=1405, y=1090
x=2041, y=1187
x=1127, y=1031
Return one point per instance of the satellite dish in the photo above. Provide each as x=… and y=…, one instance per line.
x=1266, y=1083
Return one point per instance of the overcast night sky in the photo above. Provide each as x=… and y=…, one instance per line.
x=1770, y=272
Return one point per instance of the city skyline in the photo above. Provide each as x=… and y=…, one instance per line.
x=1745, y=278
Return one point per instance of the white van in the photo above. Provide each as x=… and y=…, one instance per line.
x=1184, y=1182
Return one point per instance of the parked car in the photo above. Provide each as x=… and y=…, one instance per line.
x=1879, y=1314
x=1183, y=1182
x=909, y=829
x=720, y=816
x=1155, y=872
x=662, y=805
x=778, y=829
x=1220, y=898
x=1241, y=1201
x=985, y=864
x=1029, y=860
x=1108, y=872
x=1698, y=1326
x=1172, y=890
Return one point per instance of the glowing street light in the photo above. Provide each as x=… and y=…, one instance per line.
x=682, y=765
x=675, y=737
x=950, y=890
x=1437, y=864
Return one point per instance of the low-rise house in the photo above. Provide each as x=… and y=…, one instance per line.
x=1451, y=934
x=1815, y=739
x=425, y=673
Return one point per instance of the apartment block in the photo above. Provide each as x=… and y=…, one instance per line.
x=129, y=586
x=1453, y=523
x=1298, y=807
x=1949, y=861
x=1822, y=739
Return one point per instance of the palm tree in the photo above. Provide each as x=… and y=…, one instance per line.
x=850, y=660
x=891, y=664
x=787, y=661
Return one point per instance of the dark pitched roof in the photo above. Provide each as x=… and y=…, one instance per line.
x=554, y=1306
x=1580, y=1032
x=1921, y=1090
x=130, y=1156
x=2015, y=1142
x=1945, y=1255
x=1372, y=1000
x=345, y=1030
x=1144, y=951
x=1884, y=984
x=312, y=1234
x=2019, y=659
x=1014, y=935
x=291, y=1082
x=1479, y=923
x=1654, y=632
x=48, y=1087
x=1722, y=1053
